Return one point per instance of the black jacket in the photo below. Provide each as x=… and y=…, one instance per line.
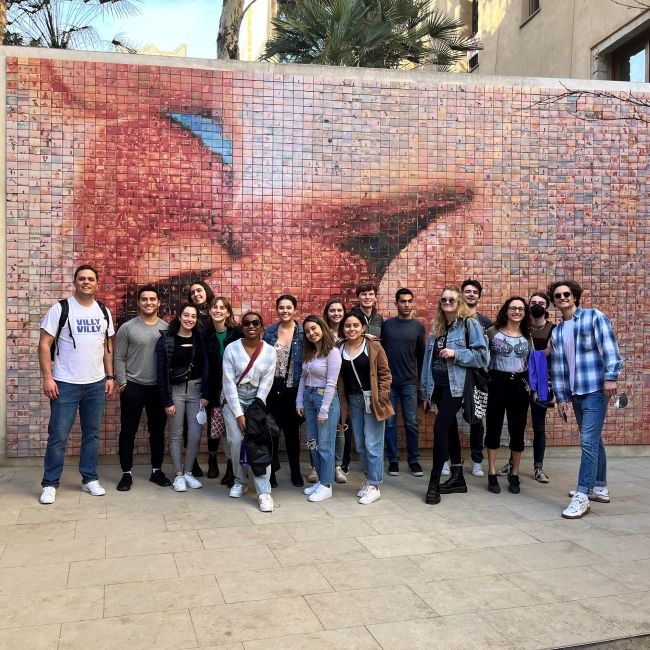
x=260, y=436
x=164, y=355
x=215, y=359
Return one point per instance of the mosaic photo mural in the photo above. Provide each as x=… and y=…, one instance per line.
x=264, y=180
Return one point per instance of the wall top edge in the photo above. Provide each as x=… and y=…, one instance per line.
x=331, y=72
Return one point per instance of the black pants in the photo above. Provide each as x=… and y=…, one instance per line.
x=538, y=418
x=283, y=409
x=507, y=394
x=133, y=399
x=476, y=433
x=446, y=441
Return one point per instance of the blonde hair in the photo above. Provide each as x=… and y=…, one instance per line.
x=439, y=323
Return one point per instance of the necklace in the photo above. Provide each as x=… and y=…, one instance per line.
x=538, y=327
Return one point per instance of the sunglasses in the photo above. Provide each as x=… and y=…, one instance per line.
x=448, y=301
x=565, y=294
x=251, y=323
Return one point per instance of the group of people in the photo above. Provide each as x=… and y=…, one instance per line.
x=344, y=373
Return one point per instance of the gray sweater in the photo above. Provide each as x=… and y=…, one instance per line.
x=135, y=352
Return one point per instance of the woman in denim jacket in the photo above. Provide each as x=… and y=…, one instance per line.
x=446, y=358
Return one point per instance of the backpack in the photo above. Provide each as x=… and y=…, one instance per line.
x=65, y=310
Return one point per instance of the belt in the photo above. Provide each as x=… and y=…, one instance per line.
x=508, y=375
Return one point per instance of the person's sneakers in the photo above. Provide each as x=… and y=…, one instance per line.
x=296, y=480
x=600, y=494
x=362, y=490
x=196, y=468
x=393, y=468
x=445, y=469
x=340, y=476
x=311, y=489
x=48, y=495
x=179, y=484
x=578, y=506
x=321, y=493
x=477, y=470
x=191, y=482
x=159, y=478
x=514, y=484
x=505, y=470
x=540, y=476
x=345, y=468
x=416, y=469
x=312, y=477
x=273, y=480
x=93, y=488
x=237, y=490
x=493, y=484
x=125, y=482
x=371, y=495
x=266, y=502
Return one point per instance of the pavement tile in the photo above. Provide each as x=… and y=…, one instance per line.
x=409, y=521
x=378, y=572
x=288, y=512
x=37, y=637
x=352, y=638
x=312, y=553
x=228, y=560
x=65, y=550
x=241, y=536
x=150, y=543
x=613, y=549
x=37, y=514
x=622, y=524
x=303, y=531
x=547, y=555
x=407, y=543
x=466, y=563
x=635, y=575
x=349, y=506
x=45, y=532
x=486, y=536
x=196, y=520
x=23, y=579
x=630, y=612
x=122, y=569
x=114, y=526
x=562, y=530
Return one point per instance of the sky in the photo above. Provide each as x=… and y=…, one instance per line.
x=167, y=24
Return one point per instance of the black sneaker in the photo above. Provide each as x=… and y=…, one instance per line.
x=513, y=484
x=125, y=482
x=393, y=468
x=416, y=469
x=158, y=477
x=345, y=468
x=493, y=484
x=196, y=469
x=273, y=481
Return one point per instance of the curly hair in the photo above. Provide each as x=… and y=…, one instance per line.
x=209, y=294
x=576, y=289
x=439, y=324
x=502, y=317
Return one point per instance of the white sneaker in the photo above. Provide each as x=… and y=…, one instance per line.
x=312, y=477
x=578, y=507
x=321, y=493
x=265, y=500
x=48, y=495
x=311, y=488
x=362, y=489
x=192, y=482
x=94, y=488
x=237, y=490
x=600, y=494
x=477, y=470
x=445, y=469
x=179, y=484
x=340, y=475
x=371, y=495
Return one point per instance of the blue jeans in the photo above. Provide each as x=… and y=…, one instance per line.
x=408, y=397
x=368, y=439
x=590, y=411
x=323, y=434
x=89, y=399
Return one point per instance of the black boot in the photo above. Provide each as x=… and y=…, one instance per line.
x=228, y=478
x=273, y=481
x=196, y=469
x=213, y=467
x=455, y=483
x=433, y=491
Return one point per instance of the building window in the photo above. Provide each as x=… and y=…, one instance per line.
x=528, y=9
x=630, y=61
x=474, y=17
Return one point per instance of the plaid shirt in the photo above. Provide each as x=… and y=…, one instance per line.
x=597, y=356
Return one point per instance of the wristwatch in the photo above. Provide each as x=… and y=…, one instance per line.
x=110, y=377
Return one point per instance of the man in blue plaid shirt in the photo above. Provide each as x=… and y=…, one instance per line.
x=585, y=365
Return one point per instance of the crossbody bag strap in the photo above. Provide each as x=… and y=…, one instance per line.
x=251, y=361
x=365, y=344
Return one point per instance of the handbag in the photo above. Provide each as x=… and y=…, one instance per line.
x=217, y=423
x=182, y=375
x=475, y=391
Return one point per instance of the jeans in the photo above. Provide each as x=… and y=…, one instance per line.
x=590, y=411
x=476, y=434
x=538, y=419
x=507, y=394
x=446, y=441
x=368, y=439
x=186, y=398
x=89, y=399
x=235, y=435
x=323, y=434
x=133, y=399
x=408, y=397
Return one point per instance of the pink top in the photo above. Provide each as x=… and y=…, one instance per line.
x=322, y=372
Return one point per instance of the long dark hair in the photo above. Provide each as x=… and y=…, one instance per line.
x=209, y=294
x=330, y=302
x=230, y=318
x=327, y=345
x=502, y=317
x=175, y=325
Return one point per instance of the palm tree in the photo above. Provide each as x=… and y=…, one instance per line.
x=62, y=24
x=368, y=33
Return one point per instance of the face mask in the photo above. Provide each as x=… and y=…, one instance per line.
x=537, y=311
x=202, y=416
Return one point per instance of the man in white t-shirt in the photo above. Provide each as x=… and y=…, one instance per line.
x=77, y=368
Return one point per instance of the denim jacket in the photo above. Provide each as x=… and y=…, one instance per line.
x=477, y=356
x=271, y=337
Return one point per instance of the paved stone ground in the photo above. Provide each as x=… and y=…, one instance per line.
x=154, y=569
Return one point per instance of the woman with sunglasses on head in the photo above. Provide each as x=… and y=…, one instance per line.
x=540, y=333
x=456, y=342
x=248, y=371
x=286, y=336
x=182, y=374
x=333, y=316
x=364, y=390
x=222, y=332
x=318, y=401
x=508, y=390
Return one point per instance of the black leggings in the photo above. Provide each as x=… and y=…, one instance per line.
x=283, y=409
x=446, y=442
x=507, y=394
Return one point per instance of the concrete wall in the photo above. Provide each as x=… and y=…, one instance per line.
x=266, y=179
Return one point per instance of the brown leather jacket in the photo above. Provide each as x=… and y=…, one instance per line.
x=380, y=381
